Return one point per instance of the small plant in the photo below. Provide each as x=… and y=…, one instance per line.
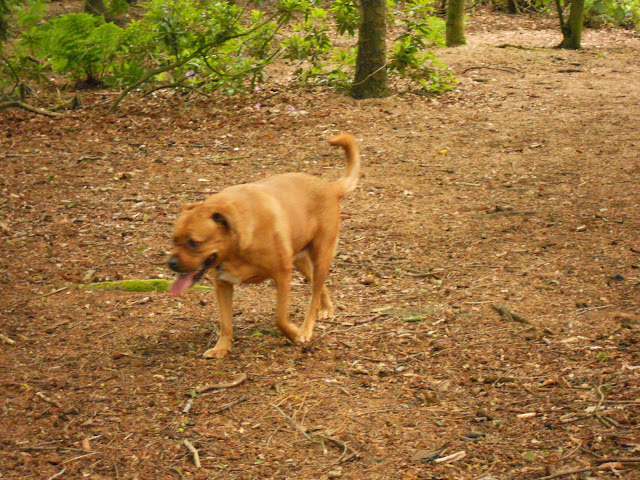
x=410, y=57
x=615, y=12
x=200, y=45
x=78, y=44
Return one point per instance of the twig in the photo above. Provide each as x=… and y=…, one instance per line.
x=7, y=340
x=54, y=292
x=519, y=47
x=566, y=472
x=78, y=458
x=504, y=69
x=600, y=398
x=454, y=457
x=176, y=85
x=298, y=427
x=467, y=184
x=25, y=106
x=344, y=446
x=572, y=452
x=188, y=406
x=48, y=400
x=371, y=319
x=173, y=469
x=194, y=452
x=510, y=315
x=57, y=474
x=269, y=97
x=618, y=459
x=432, y=273
x=230, y=405
x=221, y=385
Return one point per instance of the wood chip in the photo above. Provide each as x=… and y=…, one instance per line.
x=527, y=415
x=222, y=385
x=48, y=400
x=188, y=406
x=193, y=451
x=86, y=444
x=454, y=457
x=509, y=314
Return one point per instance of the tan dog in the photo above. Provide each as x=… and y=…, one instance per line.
x=261, y=230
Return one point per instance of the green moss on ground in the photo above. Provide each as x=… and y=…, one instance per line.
x=137, y=285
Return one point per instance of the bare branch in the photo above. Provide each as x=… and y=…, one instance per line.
x=18, y=104
x=193, y=451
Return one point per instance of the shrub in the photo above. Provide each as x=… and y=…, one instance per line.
x=204, y=45
x=410, y=56
x=615, y=12
x=78, y=44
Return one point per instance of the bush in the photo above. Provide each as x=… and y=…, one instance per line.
x=410, y=56
x=204, y=45
x=615, y=12
x=78, y=44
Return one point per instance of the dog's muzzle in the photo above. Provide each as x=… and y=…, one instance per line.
x=208, y=263
x=174, y=264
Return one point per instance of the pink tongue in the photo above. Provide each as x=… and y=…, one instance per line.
x=181, y=283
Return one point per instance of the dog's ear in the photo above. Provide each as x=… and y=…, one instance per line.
x=187, y=207
x=220, y=220
x=239, y=226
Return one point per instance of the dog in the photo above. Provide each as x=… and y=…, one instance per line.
x=257, y=231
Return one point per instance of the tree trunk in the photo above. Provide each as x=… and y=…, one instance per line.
x=95, y=7
x=572, y=30
x=371, y=62
x=455, y=24
x=4, y=21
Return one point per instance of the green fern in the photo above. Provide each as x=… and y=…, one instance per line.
x=78, y=44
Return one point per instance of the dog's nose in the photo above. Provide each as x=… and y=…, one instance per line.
x=174, y=264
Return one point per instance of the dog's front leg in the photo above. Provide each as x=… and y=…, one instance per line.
x=283, y=322
x=224, y=294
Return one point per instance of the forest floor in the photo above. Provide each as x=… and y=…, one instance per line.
x=520, y=189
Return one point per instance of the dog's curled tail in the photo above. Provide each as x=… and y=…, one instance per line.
x=349, y=180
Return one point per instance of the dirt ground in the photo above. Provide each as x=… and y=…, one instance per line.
x=518, y=189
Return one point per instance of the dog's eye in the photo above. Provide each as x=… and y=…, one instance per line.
x=193, y=243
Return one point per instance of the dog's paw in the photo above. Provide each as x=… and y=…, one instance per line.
x=304, y=337
x=325, y=313
x=217, y=352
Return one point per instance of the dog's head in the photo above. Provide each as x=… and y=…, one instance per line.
x=202, y=238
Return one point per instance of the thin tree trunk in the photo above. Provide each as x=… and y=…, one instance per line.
x=572, y=30
x=371, y=63
x=95, y=7
x=455, y=24
x=512, y=7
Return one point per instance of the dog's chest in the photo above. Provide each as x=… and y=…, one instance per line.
x=237, y=273
x=223, y=276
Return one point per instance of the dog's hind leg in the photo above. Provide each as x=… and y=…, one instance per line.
x=224, y=294
x=321, y=261
x=283, y=322
x=303, y=264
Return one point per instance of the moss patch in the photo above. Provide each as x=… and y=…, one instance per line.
x=137, y=285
